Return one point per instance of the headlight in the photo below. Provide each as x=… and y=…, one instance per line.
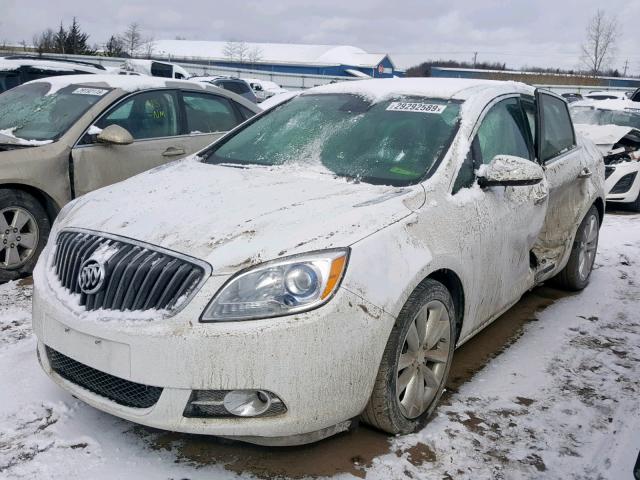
x=280, y=287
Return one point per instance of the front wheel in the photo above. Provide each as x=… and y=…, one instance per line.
x=415, y=363
x=575, y=275
x=24, y=229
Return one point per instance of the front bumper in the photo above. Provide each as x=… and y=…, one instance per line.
x=322, y=364
x=622, y=169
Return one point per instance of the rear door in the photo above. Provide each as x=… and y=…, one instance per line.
x=563, y=161
x=207, y=117
x=153, y=119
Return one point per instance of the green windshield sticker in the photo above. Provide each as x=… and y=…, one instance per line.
x=402, y=171
x=416, y=107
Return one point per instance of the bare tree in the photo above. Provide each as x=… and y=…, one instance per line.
x=45, y=42
x=242, y=51
x=600, y=45
x=254, y=55
x=149, y=47
x=229, y=51
x=132, y=38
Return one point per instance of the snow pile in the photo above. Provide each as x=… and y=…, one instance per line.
x=21, y=141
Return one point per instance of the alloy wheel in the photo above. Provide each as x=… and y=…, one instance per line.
x=18, y=237
x=587, y=248
x=423, y=359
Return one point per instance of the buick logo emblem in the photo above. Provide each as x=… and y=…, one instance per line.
x=91, y=276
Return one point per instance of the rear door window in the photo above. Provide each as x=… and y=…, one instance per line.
x=208, y=113
x=145, y=115
x=556, y=135
x=161, y=70
x=235, y=87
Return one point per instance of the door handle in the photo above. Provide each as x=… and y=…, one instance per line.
x=173, y=151
x=539, y=199
x=585, y=173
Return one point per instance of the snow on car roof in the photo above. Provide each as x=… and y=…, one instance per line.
x=128, y=83
x=7, y=64
x=461, y=89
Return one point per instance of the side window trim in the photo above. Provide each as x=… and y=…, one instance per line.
x=531, y=138
x=540, y=126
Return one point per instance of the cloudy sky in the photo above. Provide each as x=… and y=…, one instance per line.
x=519, y=33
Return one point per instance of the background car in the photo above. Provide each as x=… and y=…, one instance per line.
x=614, y=126
x=572, y=97
x=235, y=85
x=321, y=262
x=154, y=68
x=605, y=95
x=264, y=89
x=63, y=137
x=16, y=69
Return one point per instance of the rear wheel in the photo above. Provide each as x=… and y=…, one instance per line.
x=575, y=275
x=24, y=229
x=415, y=363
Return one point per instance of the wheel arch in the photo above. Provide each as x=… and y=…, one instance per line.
x=600, y=204
x=49, y=204
x=452, y=282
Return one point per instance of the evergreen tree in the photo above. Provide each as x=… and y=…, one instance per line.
x=76, y=40
x=60, y=40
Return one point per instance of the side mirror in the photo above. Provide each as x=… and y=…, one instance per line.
x=115, y=135
x=509, y=171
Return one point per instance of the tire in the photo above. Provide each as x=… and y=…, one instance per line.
x=24, y=239
x=393, y=411
x=575, y=276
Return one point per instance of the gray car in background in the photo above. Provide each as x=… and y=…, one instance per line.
x=65, y=136
x=235, y=85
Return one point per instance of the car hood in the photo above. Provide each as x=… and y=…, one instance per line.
x=236, y=217
x=605, y=136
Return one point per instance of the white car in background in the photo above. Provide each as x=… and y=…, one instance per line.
x=264, y=89
x=606, y=95
x=320, y=262
x=614, y=126
x=153, y=68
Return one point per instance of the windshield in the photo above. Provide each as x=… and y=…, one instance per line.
x=390, y=142
x=597, y=116
x=28, y=113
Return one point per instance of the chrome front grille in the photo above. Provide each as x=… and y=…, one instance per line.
x=136, y=276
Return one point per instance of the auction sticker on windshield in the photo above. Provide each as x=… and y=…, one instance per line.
x=99, y=92
x=416, y=107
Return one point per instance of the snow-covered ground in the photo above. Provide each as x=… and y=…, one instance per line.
x=563, y=401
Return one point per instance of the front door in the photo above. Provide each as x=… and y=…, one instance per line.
x=563, y=161
x=501, y=223
x=152, y=118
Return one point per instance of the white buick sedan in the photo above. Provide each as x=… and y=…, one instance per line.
x=319, y=263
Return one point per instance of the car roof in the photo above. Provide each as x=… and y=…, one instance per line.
x=8, y=64
x=445, y=88
x=132, y=83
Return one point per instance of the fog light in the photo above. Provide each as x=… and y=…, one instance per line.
x=247, y=403
x=233, y=403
